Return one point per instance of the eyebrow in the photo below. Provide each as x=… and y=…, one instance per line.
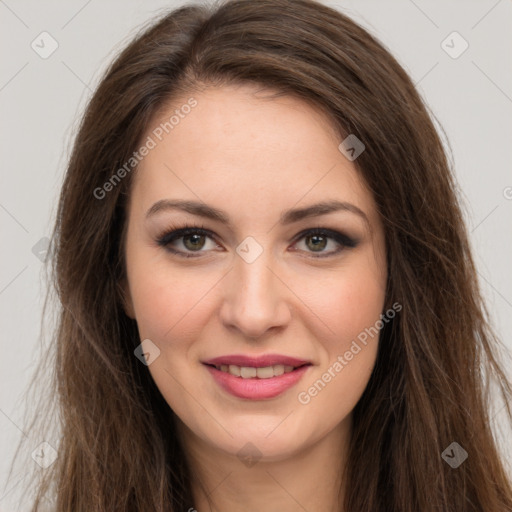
x=287, y=217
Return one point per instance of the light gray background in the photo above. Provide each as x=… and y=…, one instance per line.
x=41, y=101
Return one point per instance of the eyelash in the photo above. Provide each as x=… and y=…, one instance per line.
x=172, y=234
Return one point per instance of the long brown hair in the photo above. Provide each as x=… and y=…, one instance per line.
x=431, y=383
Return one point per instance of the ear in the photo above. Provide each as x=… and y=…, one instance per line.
x=126, y=298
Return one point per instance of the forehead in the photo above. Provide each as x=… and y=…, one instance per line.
x=239, y=147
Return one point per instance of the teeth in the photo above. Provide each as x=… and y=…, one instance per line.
x=234, y=370
x=248, y=372
x=265, y=373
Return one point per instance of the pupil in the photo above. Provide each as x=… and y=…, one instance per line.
x=196, y=244
x=316, y=239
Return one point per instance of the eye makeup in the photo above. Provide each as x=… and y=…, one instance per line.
x=168, y=238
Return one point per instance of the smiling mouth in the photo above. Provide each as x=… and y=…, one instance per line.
x=251, y=372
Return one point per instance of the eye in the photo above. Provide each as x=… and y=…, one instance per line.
x=191, y=241
x=190, y=238
x=317, y=239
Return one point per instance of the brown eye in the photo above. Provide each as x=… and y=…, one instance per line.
x=187, y=241
x=194, y=242
x=317, y=242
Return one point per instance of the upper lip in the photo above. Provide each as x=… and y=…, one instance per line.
x=257, y=361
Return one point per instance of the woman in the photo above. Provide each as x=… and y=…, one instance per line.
x=268, y=296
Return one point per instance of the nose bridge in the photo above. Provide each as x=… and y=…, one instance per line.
x=255, y=301
x=254, y=281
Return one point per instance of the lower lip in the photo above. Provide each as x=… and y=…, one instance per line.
x=257, y=389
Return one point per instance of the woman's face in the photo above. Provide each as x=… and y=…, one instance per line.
x=258, y=283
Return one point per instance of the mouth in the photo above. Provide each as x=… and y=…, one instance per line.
x=256, y=378
x=253, y=372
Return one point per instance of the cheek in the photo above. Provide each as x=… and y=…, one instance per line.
x=350, y=351
x=157, y=306
x=349, y=302
x=168, y=300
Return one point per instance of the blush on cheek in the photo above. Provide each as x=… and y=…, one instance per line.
x=358, y=307
x=170, y=309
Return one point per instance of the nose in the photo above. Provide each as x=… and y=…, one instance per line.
x=255, y=299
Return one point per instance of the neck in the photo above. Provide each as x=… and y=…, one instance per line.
x=309, y=479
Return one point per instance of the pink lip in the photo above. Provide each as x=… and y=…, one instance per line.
x=257, y=361
x=256, y=388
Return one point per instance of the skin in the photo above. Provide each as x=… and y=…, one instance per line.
x=254, y=157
